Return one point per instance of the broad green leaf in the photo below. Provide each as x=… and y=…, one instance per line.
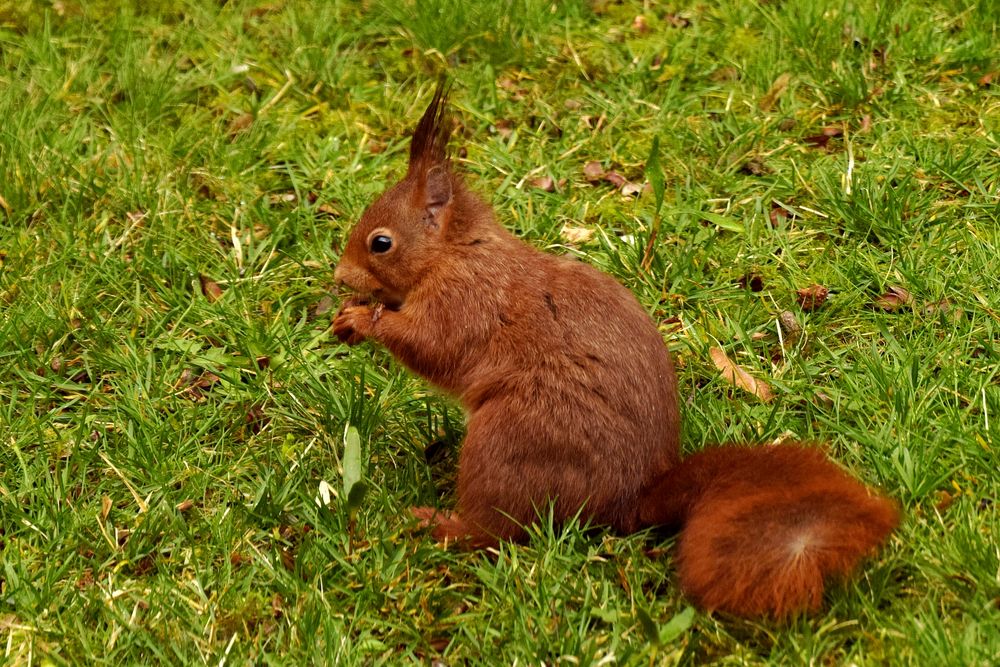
x=607, y=615
x=648, y=625
x=352, y=460
x=722, y=221
x=677, y=625
x=356, y=495
x=654, y=173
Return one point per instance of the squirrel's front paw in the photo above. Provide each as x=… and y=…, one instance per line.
x=428, y=517
x=445, y=526
x=354, y=323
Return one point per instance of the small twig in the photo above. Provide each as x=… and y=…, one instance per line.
x=134, y=219
x=850, y=164
x=278, y=95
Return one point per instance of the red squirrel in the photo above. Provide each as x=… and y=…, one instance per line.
x=572, y=401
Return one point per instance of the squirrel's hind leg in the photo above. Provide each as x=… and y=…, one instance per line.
x=499, y=483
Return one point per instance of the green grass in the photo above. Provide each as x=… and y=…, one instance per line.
x=161, y=452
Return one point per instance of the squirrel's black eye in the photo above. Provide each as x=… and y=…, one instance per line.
x=380, y=244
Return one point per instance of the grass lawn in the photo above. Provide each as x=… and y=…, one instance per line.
x=176, y=179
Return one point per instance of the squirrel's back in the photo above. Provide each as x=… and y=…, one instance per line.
x=577, y=362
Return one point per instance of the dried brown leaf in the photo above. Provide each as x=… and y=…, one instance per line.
x=615, y=179
x=894, y=298
x=184, y=506
x=206, y=379
x=756, y=167
x=185, y=379
x=260, y=231
x=576, y=235
x=631, y=189
x=677, y=21
x=593, y=171
x=817, y=140
x=210, y=289
x=507, y=83
x=788, y=323
x=879, y=58
x=728, y=73
x=944, y=307
x=752, y=281
x=250, y=84
x=327, y=210
x=282, y=198
x=812, y=297
x=640, y=25
x=790, y=327
x=592, y=123
x=779, y=214
x=543, y=183
x=777, y=88
x=264, y=10
x=738, y=377
x=671, y=325
x=86, y=580
x=256, y=419
x=105, y=507
x=822, y=140
x=943, y=500
x=504, y=127
x=240, y=124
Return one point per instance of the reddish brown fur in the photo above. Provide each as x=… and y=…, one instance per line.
x=765, y=526
x=572, y=401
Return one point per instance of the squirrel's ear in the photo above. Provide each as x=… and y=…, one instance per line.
x=437, y=193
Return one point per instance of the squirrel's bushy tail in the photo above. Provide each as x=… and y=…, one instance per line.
x=764, y=528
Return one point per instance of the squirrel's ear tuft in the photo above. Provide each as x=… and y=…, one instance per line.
x=437, y=190
x=429, y=146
